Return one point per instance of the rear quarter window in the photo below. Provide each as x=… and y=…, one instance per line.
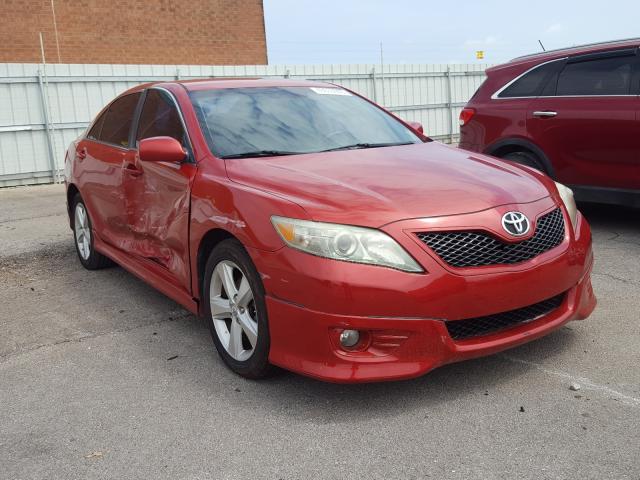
x=531, y=83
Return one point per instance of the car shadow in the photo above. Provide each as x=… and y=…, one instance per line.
x=482, y=377
x=287, y=394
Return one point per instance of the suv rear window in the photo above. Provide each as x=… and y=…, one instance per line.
x=531, y=83
x=606, y=76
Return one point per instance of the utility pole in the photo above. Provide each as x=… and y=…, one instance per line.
x=44, y=98
x=382, y=74
x=55, y=30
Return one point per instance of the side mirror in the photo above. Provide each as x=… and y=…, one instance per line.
x=417, y=126
x=161, y=149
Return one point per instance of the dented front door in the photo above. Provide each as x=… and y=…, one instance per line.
x=157, y=204
x=157, y=194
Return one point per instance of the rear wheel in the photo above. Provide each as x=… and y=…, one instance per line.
x=235, y=310
x=525, y=158
x=83, y=236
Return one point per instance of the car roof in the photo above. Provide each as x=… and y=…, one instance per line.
x=541, y=57
x=222, y=83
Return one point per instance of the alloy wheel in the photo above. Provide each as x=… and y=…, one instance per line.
x=82, y=231
x=233, y=310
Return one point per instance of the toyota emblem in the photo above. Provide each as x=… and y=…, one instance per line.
x=515, y=223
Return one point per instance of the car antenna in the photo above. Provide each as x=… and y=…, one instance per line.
x=543, y=49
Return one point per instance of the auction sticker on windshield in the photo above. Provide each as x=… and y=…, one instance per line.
x=330, y=91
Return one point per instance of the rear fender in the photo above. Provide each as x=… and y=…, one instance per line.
x=506, y=145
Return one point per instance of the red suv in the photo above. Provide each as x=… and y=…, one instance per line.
x=313, y=230
x=573, y=114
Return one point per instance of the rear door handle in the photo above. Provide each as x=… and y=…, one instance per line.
x=545, y=114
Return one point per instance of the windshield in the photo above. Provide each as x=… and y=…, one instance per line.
x=255, y=121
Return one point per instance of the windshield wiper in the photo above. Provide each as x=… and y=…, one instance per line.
x=261, y=153
x=277, y=153
x=356, y=146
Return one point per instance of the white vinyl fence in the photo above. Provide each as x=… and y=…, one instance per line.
x=43, y=108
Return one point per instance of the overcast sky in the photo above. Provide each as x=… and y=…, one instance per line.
x=425, y=31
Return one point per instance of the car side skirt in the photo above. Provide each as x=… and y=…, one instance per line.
x=149, y=272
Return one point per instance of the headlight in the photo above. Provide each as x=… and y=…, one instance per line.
x=343, y=242
x=566, y=194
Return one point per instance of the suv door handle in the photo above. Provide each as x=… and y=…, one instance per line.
x=545, y=114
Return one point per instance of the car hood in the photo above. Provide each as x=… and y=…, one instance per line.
x=373, y=187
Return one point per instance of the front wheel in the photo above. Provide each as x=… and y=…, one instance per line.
x=235, y=310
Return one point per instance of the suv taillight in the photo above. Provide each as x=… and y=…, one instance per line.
x=465, y=115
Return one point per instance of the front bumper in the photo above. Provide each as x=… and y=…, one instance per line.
x=301, y=340
x=403, y=315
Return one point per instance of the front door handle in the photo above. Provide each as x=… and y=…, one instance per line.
x=545, y=114
x=132, y=170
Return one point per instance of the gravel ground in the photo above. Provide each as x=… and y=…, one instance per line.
x=103, y=377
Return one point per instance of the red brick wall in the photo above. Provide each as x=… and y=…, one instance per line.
x=192, y=32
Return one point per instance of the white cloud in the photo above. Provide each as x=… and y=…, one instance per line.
x=555, y=28
x=486, y=42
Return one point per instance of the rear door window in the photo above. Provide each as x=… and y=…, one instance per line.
x=604, y=76
x=118, y=120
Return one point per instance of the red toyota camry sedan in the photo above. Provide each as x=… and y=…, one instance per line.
x=317, y=232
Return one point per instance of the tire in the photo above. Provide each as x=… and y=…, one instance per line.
x=525, y=158
x=83, y=237
x=237, y=320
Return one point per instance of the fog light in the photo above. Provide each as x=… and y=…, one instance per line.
x=349, y=338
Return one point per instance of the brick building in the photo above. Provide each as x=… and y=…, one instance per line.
x=206, y=32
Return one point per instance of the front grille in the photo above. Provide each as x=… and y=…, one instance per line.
x=476, y=249
x=475, y=327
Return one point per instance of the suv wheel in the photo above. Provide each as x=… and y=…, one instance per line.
x=235, y=310
x=525, y=158
x=83, y=236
